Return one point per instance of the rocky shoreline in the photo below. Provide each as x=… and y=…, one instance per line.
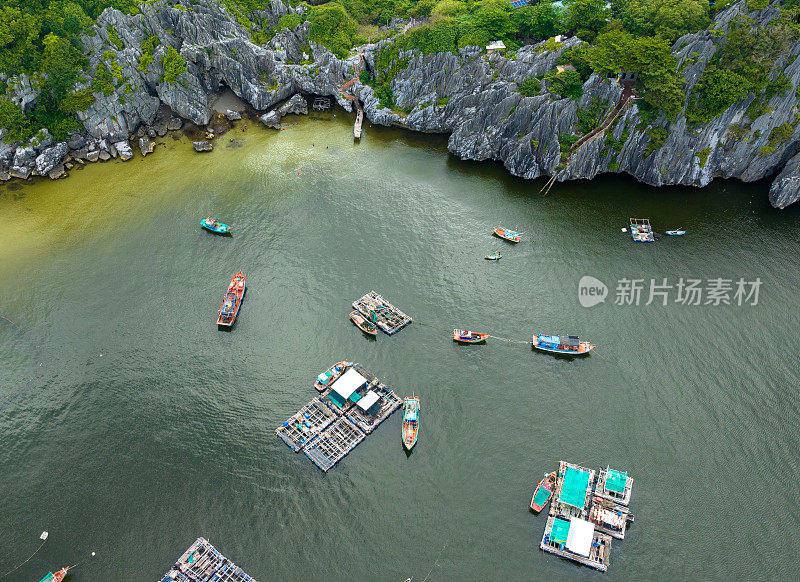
x=471, y=96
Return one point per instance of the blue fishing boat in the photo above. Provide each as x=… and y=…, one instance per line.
x=565, y=345
x=215, y=226
x=677, y=232
x=410, y=421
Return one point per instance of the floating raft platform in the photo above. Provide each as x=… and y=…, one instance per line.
x=614, y=485
x=333, y=424
x=576, y=540
x=306, y=424
x=202, y=563
x=573, y=491
x=609, y=517
x=641, y=231
x=388, y=317
x=334, y=444
x=321, y=103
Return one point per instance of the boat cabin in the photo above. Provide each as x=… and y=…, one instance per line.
x=369, y=404
x=347, y=388
x=564, y=342
x=614, y=485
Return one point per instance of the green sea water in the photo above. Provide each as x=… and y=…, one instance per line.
x=129, y=425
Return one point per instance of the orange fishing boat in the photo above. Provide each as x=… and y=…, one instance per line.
x=232, y=301
x=544, y=490
x=507, y=234
x=464, y=336
x=363, y=323
x=56, y=577
x=410, y=421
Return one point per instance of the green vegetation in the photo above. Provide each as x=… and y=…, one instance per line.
x=702, y=155
x=530, y=87
x=658, y=136
x=114, y=39
x=564, y=83
x=148, y=48
x=777, y=137
x=174, y=65
x=590, y=117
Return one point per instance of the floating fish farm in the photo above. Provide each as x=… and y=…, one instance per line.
x=203, y=563
x=387, y=317
x=333, y=424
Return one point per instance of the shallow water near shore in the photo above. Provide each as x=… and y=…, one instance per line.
x=145, y=427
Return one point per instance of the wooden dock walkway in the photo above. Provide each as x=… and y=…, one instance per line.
x=201, y=563
x=388, y=317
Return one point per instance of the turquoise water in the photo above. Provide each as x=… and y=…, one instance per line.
x=146, y=427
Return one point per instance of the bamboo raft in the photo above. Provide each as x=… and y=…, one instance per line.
x=306, y=424
x=388, y=317
x=327, y=431
x=321, y=103
x=202, y=562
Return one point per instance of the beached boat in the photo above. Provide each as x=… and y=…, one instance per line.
x=232, y=301
x=410, y=421
x=465, y=336
x=363, y=323
x=567, y=345
x=57, y=576
x=676, y=232
x=543, y=492
x=214, y=225
x=509, y=235
x=493, y=256
x=330, y=375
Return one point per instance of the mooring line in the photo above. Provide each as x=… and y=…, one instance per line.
x=18, y=566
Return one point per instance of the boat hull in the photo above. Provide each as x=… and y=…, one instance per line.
x=238, y=290
x=676, y=232
x=218, y=228
x=410, y=422
x=496, y=257
x=363, y=324
x=583, y=348
x=474, y=338
x=546, y=484
x=508, y=235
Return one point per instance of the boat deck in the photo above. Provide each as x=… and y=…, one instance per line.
x=312, y=419
x=388, y=317
x=334, y=444
x=598, y=555
x=202, y=562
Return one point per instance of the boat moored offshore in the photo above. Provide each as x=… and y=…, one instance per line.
x=57, y=576
x=330, y=375
x=543, y=492
x=507, y=234
x=565, y=345
x=464, y=336
x=232, y=301
x=410, y=421
x=363, y=323
x=215, y=226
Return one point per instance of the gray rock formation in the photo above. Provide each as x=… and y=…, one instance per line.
x=93, y=156
x=50, y=158
x=203, y=146
x=471, y=96
x=124, y=150
x=22, y=172
x=233, y=115
x=146, y=146
x=271, y=119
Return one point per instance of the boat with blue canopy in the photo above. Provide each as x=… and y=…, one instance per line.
x=507, y=234
x=410, y=421
x=57, y=576
x=565, y=345
x=215, y=226
x=677, y=232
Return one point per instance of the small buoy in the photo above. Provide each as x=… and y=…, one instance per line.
x=298, y=173
x=101, y=355
x=93, y=553
x=44, y=535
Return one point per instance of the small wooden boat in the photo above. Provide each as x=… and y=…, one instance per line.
x=493, y=256
x=509, y=235
x=330, y=375
x=566, y=345
x=363, y=323
x=232, y=301
x=214, y=225
x=543, y=492
x=465, y=336
x=410, y=421
x=676, y=232
x=57, y=576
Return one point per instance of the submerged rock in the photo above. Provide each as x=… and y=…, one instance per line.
x=174, y=124
x=146, y=146
x=203, y=146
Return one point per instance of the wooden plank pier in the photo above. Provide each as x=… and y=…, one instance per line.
x=201, y=563
x=388, y=317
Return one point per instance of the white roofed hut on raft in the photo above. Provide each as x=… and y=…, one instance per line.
x=577, y=539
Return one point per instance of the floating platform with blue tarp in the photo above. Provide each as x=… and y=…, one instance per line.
x=576, y=539
x=203, y=563
x=614, y=485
